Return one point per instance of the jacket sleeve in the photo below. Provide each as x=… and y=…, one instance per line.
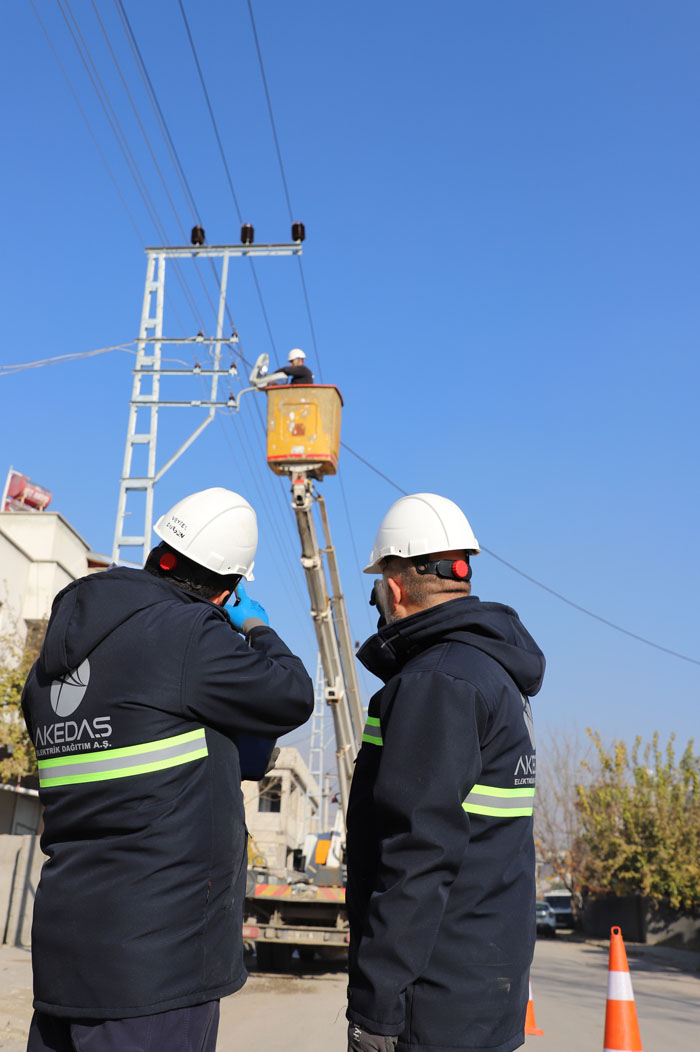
x=255, y=687
x=430, y=759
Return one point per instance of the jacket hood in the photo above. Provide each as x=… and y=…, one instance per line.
x=88, y=610
x=490, y=627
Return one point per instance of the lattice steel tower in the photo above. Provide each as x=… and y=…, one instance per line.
x=146, y=401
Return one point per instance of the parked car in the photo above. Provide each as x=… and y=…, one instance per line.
x=560, y=901
x=545, y=919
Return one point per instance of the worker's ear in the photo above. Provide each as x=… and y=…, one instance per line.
x=396, y=592
x=221, y=598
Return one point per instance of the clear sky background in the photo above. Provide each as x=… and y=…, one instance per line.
x=501, y=204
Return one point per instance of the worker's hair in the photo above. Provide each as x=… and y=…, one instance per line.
x=186, y=574
x=423, y=589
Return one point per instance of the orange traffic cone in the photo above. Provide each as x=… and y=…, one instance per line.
x=530, y=1024
x=621, y=1026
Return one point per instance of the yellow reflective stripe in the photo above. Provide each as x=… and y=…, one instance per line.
x=373, y=724
x=122, y=763
x=500, y=803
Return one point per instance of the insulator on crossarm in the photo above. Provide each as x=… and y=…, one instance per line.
x=197, y=235
x=247, y=234
x=298, y=232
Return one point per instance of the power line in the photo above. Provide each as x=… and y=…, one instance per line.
x=226, y=168
x=590, y=613
x=7, y=370
x=211, y=111
x=122, y=141
x=175, y=157
x=269, y=109
x=285, y=184
x=87, y=122
x=540, y=584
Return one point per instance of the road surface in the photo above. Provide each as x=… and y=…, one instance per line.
x=305, y=1011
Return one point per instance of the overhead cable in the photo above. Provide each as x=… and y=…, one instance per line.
x=7, y=370
x=118, y=132
x=226, y=168
x=285, y=184
x=540, y=584
x=175, y=157
x=88, y=125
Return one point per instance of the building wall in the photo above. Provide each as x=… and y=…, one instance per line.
x=277, y=834
x=40, y=553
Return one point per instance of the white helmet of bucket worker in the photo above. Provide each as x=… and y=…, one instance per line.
x=216, y=528
x=296, y=352
x=418, y=525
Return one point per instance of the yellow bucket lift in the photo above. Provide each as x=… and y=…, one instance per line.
x=303, y=428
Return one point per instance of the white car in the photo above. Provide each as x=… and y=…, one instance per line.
x=545, y=919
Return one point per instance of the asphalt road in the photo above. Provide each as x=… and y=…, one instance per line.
x=569, y=989
x=304, y=1011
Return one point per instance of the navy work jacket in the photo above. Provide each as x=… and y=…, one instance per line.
x=441, y=863
x=134, y=708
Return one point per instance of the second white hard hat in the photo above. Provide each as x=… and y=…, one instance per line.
x=216, y=528
x=296, y=352
x=418, y=525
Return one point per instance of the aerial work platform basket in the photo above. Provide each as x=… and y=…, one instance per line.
x=303, y=428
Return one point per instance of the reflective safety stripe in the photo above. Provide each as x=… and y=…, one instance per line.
x=122, y=763
x=500, y=803
x=373, y=731
x=620, y=986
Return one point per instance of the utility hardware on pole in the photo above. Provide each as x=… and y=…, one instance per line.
x=140, y=472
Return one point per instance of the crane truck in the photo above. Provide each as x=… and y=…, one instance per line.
x=289, y=909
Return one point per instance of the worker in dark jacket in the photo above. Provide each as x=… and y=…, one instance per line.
x=145, y=687
x=441, y=864
x=297, y=371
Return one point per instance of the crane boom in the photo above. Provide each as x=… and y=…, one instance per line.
x=332, y=629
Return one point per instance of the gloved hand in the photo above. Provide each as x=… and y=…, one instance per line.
x=245, y=610
x=360, y=1041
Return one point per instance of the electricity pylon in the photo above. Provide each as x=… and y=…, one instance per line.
x=146, y=401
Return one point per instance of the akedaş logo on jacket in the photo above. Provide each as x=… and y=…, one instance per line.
x=526, y=766
x=66, y=694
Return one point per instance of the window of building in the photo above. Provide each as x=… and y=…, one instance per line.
x=270, y=798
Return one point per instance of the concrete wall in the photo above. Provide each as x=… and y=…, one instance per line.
x=20, y=810
x=641, y=921
x=21, y=860
x=40, y=553
x=277, y=834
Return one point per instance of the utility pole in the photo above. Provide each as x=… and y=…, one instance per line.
x=140, y=472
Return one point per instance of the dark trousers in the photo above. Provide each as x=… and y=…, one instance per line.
x=191, y=1029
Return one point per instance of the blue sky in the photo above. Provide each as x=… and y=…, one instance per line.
x=502, y=227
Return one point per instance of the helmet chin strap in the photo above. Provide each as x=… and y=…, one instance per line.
x=451, y=569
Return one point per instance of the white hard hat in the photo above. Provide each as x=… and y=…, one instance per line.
x=296, y=352
x=421, y=524
x=216, y=528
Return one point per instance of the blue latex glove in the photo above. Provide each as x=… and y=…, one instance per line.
x=245, y=609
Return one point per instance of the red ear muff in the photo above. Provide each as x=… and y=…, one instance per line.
x=460, y=570
x=168, y=561
x=452, y=569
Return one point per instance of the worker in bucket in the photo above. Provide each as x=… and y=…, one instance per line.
x=145, y=683
x=297, y=370
x=441, y=860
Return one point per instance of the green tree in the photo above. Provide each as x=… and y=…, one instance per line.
x=640, y=822
x=17, y=757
